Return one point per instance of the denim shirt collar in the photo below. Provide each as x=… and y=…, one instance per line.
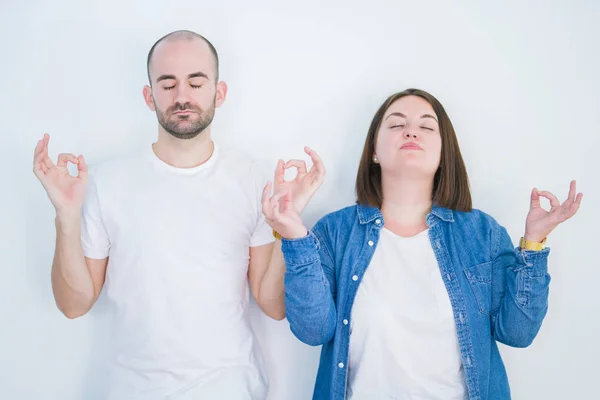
x=367, y=214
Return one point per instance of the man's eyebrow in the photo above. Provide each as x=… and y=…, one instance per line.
x=165, y=77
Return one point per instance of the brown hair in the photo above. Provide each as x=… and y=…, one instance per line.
x=450, y=183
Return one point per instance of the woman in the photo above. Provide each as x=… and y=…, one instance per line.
x=409, y=290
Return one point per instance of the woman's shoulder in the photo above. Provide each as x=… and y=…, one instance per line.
x=476, y=220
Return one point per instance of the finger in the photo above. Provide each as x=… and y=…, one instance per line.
x=266, y=191
x=572, y=191
x=265, y=201
x=575, y=205
x=314, y=156
x=277, y=197
x=553, y=199
x=299, y=164
x=279, y=176
x=42, y=156
x=45, y=140
x=37, y=165
x=276, y=202
x=317, y=172
x=82, y=168
x=316, y=177
x=64, y=158
x=38, y=149
x=47, y=161
x=275, y=207
x=38, y=157
x=535, y=199
x=571, y=198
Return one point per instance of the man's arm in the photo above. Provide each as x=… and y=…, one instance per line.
x=76, y=280
x=265, y=273
x=267, y=265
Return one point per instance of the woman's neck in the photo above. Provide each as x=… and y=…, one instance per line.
x=406, y=203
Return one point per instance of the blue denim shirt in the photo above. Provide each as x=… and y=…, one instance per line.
x=498, y=292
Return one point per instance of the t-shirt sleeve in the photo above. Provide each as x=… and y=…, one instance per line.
x=94, y=237
x=263, y=233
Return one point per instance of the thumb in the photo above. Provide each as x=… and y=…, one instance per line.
x=287, y=201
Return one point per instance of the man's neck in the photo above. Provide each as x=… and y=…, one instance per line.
x=184, y=153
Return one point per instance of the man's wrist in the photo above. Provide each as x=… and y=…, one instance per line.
x=68, y=222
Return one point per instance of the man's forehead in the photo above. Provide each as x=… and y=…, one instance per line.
x=177, y=56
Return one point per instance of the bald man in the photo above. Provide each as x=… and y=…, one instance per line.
x=173, y=233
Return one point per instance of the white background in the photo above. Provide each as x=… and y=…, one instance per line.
x=518, y=79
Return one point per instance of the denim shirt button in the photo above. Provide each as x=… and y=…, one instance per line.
x=378, y=221
x=371, y=243
x=355, y=278
x=461, y=318
x=345, y=322
x=341, y=365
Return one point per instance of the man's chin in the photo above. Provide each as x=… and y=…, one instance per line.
x=186, y=131
x=185, y=135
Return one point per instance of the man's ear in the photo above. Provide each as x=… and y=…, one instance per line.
x=148, y=98
x=221, y=93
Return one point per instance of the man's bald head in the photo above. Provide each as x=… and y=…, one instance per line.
x=182, y=35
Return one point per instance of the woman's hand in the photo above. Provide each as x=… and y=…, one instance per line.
x=540, y=222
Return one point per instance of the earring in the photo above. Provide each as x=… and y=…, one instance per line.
x=375, y=160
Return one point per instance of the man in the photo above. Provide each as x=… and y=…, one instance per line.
x=174, y=233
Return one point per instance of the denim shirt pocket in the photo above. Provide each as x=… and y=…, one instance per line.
x=480, y=281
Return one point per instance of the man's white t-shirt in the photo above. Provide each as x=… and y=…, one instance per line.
x=403, y=342
x=177, y=242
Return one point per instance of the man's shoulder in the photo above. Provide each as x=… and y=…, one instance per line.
x=241, y=163
x=235, y=155
x=118, y=165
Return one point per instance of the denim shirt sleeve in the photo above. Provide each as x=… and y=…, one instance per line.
x=520, y=286
x=309, y=280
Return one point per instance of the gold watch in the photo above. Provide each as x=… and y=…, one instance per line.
x=533, y=246
x=276, y=235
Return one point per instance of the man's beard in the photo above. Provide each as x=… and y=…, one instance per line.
x=185, y=126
